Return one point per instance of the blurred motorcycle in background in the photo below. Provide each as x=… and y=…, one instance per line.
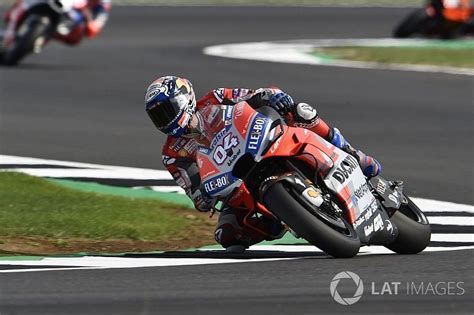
x=438, y=19
x=32, y=24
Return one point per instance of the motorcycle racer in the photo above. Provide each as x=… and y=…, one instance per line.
x=87, y=19
x=171, y=105
x=454, y=14
x=452, y=10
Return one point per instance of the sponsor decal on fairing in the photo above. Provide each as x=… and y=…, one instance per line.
x=225, y=149
x=218, y=183
x=256, y=131
x=345, y=169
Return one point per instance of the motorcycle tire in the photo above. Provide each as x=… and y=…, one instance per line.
x=414, y=231
x=335, y=243
x=34, y=27
x=412, y=24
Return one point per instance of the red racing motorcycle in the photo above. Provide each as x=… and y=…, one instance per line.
x=252, y=161
x=32, y=24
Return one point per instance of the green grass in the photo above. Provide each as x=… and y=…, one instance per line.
x=439, y=56
x=31, y=206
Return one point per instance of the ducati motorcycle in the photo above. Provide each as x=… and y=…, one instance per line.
x=35, y=22
x=424, y=23
x=253, y=161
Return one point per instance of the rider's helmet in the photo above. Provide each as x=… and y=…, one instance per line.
x=170, y=103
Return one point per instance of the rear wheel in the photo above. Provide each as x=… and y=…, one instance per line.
x=412, y=24
x=31, y=35
x=318, y=230
x=413, y=227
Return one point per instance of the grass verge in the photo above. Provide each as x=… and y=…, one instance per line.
x=41, y=217
x=438, y=56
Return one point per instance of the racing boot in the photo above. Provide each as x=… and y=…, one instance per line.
x=236, y=237
x=370, y=166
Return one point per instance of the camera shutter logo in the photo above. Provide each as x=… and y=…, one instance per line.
x=346, y=275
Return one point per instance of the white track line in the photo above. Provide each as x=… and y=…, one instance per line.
x=84, y=170
x=117, y=173
x=299, y=52
x=170, y=189
x=365, y=250
x=465, y=221
x=91, y=262
x=460, y=237
x=429, y=205
x=50, y=269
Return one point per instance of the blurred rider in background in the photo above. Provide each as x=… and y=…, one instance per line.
x=171, y=104
x=87, y=19
x=455, y=12
x=452, y=10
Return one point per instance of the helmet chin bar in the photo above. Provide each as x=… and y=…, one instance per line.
x=194, y=126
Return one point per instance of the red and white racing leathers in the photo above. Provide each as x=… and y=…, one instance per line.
x=179, y=157
x=179, y=153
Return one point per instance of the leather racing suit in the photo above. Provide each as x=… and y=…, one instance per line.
x=179, y=157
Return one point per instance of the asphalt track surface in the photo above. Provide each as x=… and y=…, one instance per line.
x=86, y=104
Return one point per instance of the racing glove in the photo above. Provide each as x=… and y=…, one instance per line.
x=282, y=103
x=202, y=201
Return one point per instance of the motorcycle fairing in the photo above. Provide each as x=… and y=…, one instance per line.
x=365, y=213
x=230, y=137
x=342, y=175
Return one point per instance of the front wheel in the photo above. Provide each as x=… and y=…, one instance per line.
x=414, y=231
x=338, y=243
x=31, y=35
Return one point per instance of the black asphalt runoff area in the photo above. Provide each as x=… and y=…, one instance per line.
x=85, y=104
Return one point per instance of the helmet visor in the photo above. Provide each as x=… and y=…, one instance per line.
x=165, y=112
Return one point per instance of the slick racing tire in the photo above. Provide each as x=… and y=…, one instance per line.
x=33, y=28
x=281, y=203
x=414, y=231
x=412, y=24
